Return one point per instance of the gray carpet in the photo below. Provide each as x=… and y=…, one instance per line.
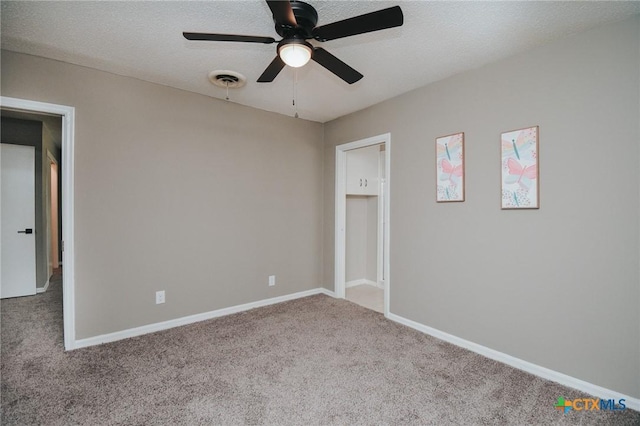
x=315, y=360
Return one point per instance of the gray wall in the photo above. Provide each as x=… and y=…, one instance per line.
x=558, y=286
x=371, y=273
x=179, y=192
x=355, y=237
x=361, y=235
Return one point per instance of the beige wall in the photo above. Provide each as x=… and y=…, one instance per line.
x=179, y=192
x=361, y=235
x=558, y=286
x=371, y=273
x=355, y=237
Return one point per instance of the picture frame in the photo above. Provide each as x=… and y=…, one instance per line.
x=450, y=176
x=520, y=168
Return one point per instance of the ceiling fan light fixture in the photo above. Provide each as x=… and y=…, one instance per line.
x=295, y=53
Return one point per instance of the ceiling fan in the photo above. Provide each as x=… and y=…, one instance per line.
x=296, y=23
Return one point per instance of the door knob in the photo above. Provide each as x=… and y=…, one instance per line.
x=26, y=231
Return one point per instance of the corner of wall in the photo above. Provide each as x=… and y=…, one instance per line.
x=638, y=304
x=322, y=189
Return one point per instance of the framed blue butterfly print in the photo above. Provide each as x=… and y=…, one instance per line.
x=520, y=169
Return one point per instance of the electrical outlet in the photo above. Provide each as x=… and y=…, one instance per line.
x=159, y=297
x=272, y=280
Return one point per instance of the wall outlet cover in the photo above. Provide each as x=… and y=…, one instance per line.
x=159, y=297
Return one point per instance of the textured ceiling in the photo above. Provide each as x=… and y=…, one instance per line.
x=438, y=39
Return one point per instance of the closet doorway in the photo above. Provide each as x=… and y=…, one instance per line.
x=362, y=222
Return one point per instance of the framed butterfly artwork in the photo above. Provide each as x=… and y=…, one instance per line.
x=450, y=168
x=520, y=169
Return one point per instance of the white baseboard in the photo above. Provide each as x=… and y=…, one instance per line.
x=361, y=281
x=43, y=289
x=545, y=373
x=152, y=328
x=327, y=292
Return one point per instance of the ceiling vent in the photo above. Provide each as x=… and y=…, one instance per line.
x=227, y=79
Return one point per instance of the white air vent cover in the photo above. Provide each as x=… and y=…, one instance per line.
x=226, y=78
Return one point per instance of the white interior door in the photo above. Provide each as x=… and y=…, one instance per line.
x=18, y=276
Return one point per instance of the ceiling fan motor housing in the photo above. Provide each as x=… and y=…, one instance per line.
x=306, y=18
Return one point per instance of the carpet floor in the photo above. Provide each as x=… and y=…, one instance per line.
x=309, y=361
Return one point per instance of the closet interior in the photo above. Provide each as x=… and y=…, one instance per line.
x=364, y=272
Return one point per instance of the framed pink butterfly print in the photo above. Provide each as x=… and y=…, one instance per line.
x=520, y=169
x=450, y=168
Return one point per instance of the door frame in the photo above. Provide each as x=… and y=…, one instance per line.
x=67, y=195
x=382, y=195
x=341, y=213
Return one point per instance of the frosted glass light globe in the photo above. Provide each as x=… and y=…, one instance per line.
x=295, y=54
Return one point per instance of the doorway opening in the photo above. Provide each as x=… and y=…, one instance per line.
x=31, y=153
x=362, y=222
x=54, y=198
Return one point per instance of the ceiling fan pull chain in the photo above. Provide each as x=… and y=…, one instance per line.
x=227, y=98
x=295, y=91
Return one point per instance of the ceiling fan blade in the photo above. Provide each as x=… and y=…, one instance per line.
x=228, y=37
x=272, y=70
x=374, y=21
x=282, y=12
x=335, y=65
